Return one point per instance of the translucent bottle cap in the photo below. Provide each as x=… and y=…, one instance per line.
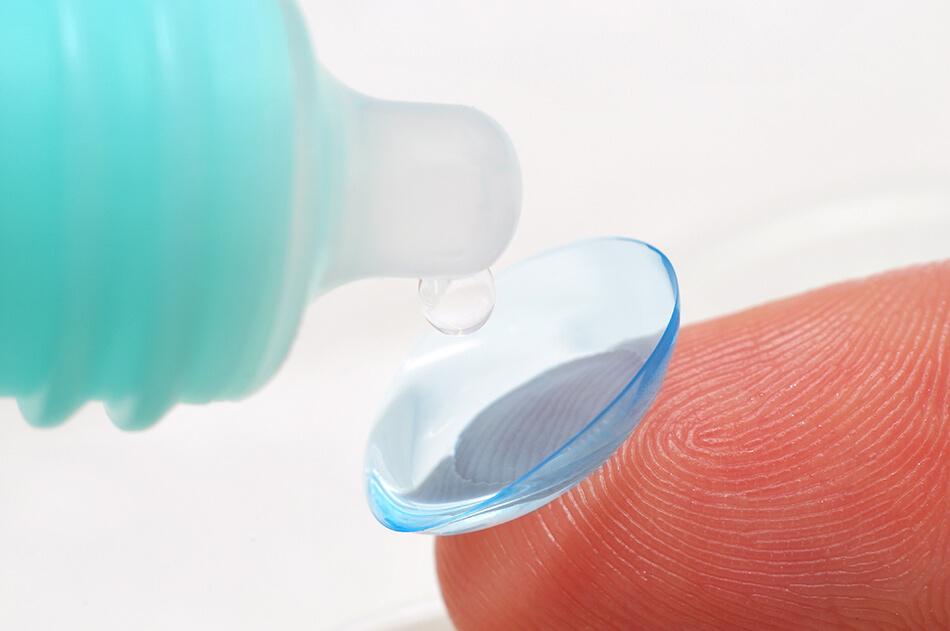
x=481, y=429
x=430, y=191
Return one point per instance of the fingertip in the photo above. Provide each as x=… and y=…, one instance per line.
x=794, y=472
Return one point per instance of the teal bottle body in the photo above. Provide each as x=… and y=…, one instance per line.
x=166, y=200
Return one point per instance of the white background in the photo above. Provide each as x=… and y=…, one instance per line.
x=766, y=147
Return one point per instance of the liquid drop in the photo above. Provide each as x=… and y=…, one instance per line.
x=458, y=306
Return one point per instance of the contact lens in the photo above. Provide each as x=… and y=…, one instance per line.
x=477, y=430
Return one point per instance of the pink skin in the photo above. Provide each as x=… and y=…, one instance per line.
x=793, y=474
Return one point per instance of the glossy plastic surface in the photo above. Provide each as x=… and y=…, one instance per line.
x=482, y=429
x=158, y=227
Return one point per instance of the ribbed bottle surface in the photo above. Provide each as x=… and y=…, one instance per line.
x=164, y=170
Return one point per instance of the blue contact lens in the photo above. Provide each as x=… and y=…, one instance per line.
x=481, y=429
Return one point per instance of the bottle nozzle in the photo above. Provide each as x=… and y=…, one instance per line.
x=430, y=191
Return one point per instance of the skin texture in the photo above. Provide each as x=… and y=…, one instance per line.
x=794, y=473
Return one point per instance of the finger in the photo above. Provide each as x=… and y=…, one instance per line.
x=794, y=473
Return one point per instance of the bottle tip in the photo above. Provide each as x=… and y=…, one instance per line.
x=432, y=191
